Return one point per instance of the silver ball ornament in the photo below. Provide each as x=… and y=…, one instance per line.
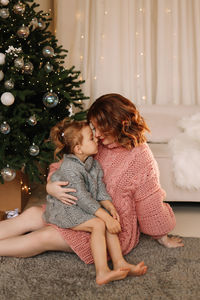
x=48, y=67
x=1, y=75
x=50, y=99
x=19, y=8
x=19, y=62
x=2, y=58
x=4, y=2
x=5, y=128
x=7, y=98
x=8, y=174
x=9, y=84
x=34, y=150
x=28, y=67
x=4, y=13
x=23, y=32
x=34, y=23
x=48, y=51
x=41, y=24
x=32, y=120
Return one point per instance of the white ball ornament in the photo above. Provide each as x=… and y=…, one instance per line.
x=7, y=98
x=4, y=2
x=1, y=75
x=2, y=58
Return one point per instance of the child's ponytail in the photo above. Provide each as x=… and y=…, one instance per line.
x=66, y=135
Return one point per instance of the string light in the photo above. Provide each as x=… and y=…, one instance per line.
x=95, y=77
x=82, y=36
x=141, y=53
x=78, y=15
x=168, y=10
x=105, y=12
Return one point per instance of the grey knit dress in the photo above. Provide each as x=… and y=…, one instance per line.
x=87, y=179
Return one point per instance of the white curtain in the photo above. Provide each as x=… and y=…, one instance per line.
x=147, y=50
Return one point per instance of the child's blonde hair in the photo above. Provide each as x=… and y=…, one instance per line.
x=66, y=135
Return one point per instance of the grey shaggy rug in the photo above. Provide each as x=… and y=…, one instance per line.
x=173, y=274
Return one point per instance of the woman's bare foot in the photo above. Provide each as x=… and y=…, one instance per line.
x=112, y=276
x=134, y=270
x=171, y=242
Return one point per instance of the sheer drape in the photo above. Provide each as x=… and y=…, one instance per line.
x=147, y=50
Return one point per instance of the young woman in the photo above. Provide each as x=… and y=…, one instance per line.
x=132, y=180
x=75, y=142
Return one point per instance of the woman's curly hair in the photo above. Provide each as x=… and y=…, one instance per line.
x=117, y=116
x=66, y=135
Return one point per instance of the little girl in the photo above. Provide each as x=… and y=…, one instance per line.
x=75, y=142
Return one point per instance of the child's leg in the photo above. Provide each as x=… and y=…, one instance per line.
x=29, y=220
x=118, y=260
x=98, y=246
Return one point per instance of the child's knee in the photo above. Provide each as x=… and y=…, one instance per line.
x=99, y=224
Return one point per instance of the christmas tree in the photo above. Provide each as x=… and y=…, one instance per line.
x=36, y=90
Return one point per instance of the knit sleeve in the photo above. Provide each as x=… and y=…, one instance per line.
x=102, y=193
x=52, y=168
x=155, y=217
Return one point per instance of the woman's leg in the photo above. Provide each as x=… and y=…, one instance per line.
x=98, y=246
x=14, y=241
x=29, y=220
x=118, y=260
x=44, y=239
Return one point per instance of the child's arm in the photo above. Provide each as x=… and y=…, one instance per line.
x=112, y=225
x=107, y=204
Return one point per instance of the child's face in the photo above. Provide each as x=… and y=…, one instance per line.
x=89, y=144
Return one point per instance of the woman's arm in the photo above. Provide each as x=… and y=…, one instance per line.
x=56, y=190
x=155, y=217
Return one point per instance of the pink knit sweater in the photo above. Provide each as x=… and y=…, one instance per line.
x=132, y=180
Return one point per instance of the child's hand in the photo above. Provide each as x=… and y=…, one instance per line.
x=113, y=225
x=114, y=213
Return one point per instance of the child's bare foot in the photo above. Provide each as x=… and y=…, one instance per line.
x=171, y=242
x=134, y=270
x=112, y=276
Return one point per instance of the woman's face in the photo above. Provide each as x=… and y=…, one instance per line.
x=104, y=139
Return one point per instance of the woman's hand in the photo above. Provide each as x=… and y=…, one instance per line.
x=56, y=190
x=171, y=242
